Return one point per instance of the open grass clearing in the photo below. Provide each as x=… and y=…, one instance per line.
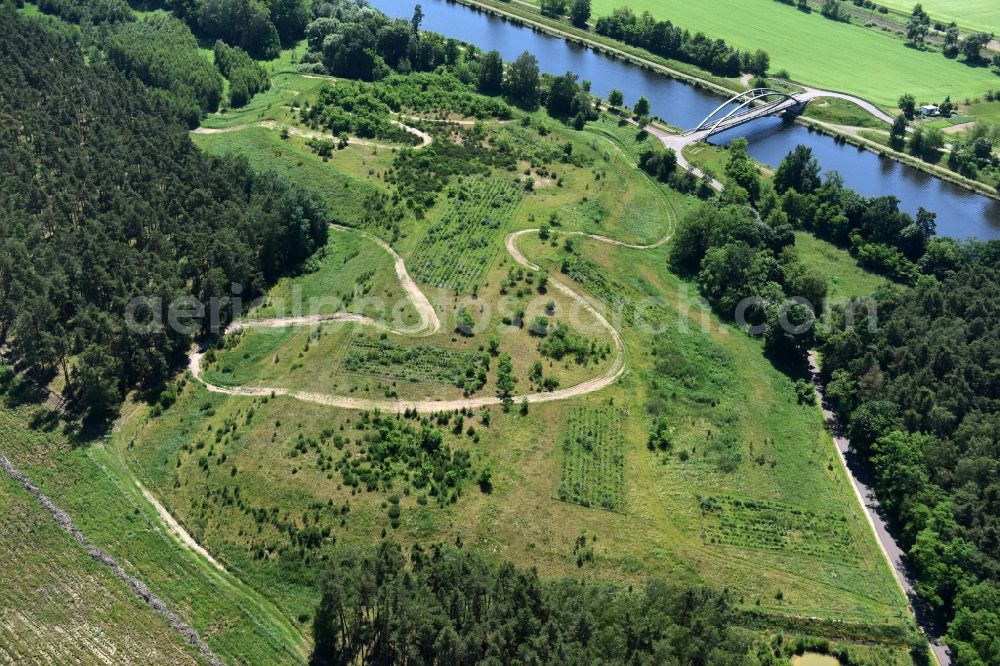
x=351, y=199
x=709, y=158
x=846, y=279
x=988, y=111
x=841, y=112
x=351, y=274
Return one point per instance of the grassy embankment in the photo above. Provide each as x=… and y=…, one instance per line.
x=842, y=112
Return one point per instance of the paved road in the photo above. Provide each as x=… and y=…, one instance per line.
x=861, y=484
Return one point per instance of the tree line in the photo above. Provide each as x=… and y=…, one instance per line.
x=734, y=252
x=161, y=52
x=94, y=12
x=734, y=245
x=259, y=27
x=670, y=41
x=107, y=199
x=915, y=379
x=353, y=40
x=443, y=605
x=971, y=46
x=246, y=76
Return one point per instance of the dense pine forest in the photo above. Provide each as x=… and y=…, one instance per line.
x=920, y=392
x=105, y=199
x=448, y=606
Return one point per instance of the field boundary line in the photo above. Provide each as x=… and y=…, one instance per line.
x=136, y=586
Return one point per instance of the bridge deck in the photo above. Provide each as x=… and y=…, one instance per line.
x=772, y=108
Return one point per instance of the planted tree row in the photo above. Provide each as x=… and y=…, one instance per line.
x=752, y=523
x=460, y=245
x=384, y=359
x=593, y=458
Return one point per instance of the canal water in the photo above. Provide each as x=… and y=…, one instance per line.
x=961, y=213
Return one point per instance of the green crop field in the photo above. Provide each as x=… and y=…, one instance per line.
x=93, y=486
x=823, y=53
x=981, y=15
x=59, y=605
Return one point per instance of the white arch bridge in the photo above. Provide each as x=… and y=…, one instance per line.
x=750, y=105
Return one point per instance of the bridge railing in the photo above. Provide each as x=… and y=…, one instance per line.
x=745, y=110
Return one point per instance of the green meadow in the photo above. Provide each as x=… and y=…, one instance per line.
x=823, y=53
x=272, y=485
x=982, y=15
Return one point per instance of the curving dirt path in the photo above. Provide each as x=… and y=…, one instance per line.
x=425, y=138
x=429, y=321
x=177, y=529
x=429, y=324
